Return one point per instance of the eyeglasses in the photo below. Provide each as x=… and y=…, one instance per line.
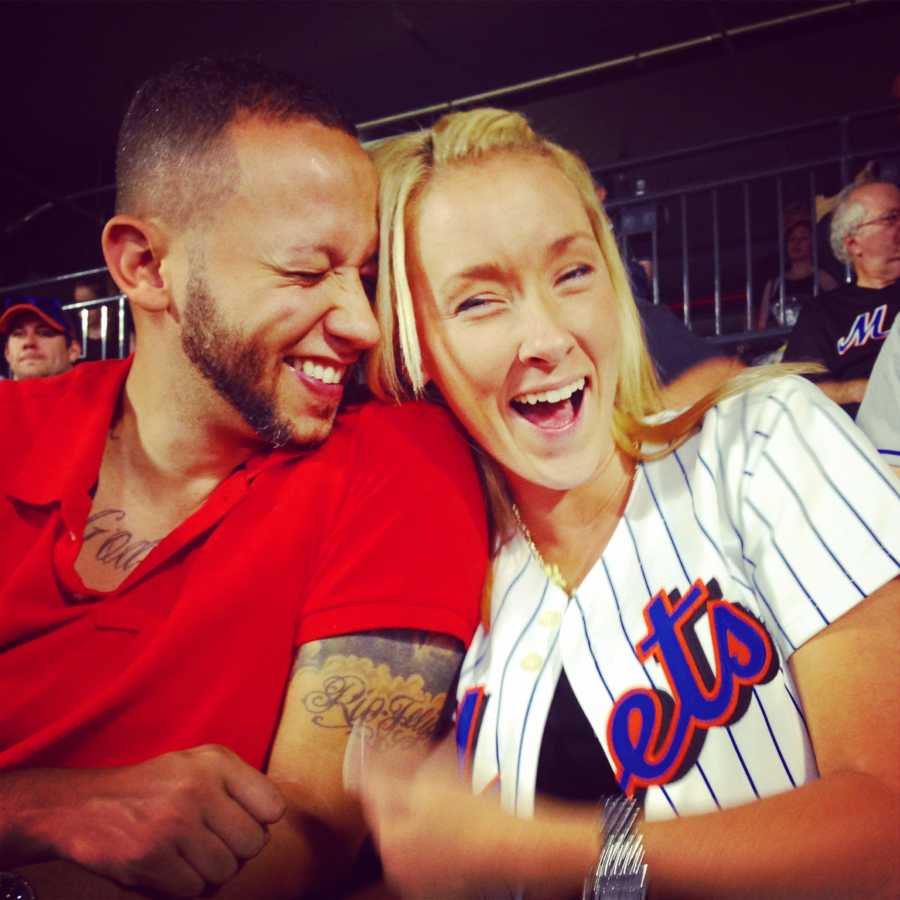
x=889, y=219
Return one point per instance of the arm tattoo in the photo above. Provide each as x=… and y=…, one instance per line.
x=394, y=684
x=114, y=545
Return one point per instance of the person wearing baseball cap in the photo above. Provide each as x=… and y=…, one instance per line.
x=40, y=340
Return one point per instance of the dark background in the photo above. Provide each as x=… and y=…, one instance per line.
x=68, y=69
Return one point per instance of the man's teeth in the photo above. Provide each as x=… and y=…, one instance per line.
x=562, y=393
x=325, y=374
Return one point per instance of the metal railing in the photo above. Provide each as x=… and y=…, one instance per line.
x=729, y=226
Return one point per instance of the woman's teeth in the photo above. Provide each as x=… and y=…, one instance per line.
x=562, y=393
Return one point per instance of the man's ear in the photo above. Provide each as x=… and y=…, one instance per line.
x=133, y=249
x=74, y=351
x=851, y=245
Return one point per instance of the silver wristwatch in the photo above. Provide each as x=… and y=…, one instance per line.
x=620, y=873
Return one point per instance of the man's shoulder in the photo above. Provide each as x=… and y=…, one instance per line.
x=402, y=444
x=398, y=428
x=853, y=295
x=37, y=398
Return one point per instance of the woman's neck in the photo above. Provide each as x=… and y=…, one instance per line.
x=799, y=269
x=572, y=528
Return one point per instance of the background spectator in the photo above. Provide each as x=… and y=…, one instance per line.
x=844, y=330
x=40, y=338
x=799, y=278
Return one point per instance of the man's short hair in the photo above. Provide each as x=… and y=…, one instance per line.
x=173, y=158
x=847, y=216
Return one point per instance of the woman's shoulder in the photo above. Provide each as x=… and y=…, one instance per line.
x=771, y=404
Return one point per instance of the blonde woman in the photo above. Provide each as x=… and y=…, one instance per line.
x=693, y=617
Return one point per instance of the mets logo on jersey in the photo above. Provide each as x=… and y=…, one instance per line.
x=867, y=326
x=655, y=737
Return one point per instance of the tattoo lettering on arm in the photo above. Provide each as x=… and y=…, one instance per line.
x=394, y=684
x=113, y=544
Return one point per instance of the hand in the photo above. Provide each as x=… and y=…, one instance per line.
x=437, y=839
x=174, y=824
x=434, y=837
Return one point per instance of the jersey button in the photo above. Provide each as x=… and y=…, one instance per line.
x=532, y=662
x=550, y=618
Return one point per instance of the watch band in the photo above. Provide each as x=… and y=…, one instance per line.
x=620, y=873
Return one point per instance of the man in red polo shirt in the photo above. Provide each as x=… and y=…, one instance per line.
x=194, y=588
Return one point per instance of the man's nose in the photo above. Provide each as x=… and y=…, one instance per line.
x=351, y=319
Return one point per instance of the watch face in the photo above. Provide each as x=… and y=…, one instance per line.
x=15, y=887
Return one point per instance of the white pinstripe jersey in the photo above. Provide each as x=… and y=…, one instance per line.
x=781, y=503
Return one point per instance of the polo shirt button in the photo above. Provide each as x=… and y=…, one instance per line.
x=532, y=662
x=550, y=618
x=72, y=536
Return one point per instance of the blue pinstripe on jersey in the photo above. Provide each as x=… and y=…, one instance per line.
x=809, y=522
x=757, y=589
x=465, y=670
x=751, y=505
x=525, y=720
x=827, y=478
x=762, y=709
x=509, y=659
x=706, y=534
x=797, y=706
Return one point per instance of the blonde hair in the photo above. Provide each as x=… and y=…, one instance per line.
x=406, y=165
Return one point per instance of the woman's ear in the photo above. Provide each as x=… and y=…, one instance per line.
x=134, y=249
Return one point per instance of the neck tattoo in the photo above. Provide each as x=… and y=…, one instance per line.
x=552, y=570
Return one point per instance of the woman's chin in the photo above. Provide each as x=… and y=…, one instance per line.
x=555, y=475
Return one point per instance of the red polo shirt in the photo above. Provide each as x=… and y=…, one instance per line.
x=382, y=527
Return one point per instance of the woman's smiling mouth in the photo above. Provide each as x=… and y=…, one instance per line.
x=551, y=410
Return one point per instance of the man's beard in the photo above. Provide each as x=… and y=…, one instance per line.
x=233, y=364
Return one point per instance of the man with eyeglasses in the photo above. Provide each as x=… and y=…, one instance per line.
x=844, y=329
x=39, y=338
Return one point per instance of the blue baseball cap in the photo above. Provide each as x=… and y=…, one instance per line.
x=49, y=311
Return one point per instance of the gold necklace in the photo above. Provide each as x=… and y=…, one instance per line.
x=551, y=570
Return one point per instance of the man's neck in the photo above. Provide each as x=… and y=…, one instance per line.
x=166, y=434
x=874, y=280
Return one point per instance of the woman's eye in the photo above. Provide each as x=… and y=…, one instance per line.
x=575, y=272
x=471, y=303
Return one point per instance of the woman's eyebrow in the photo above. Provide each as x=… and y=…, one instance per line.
x=478, y=272
x=560, y=245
